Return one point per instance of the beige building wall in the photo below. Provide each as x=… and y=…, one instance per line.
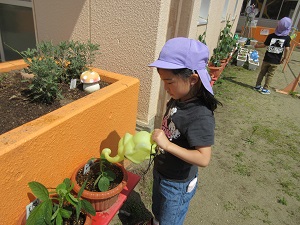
x=130, y=34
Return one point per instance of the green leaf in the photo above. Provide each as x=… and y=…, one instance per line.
x=48, y=211
x=110, y=175
x=55, y=214
x=36, y=216
x=88, y=207
x=81, y=189
x=59, y=219
x=67, y=182
x=65, y=213
x=41, y=214
x=103, y=184
x=61, y=189
x=78, y=209
x=39, y=190
x=72, y=197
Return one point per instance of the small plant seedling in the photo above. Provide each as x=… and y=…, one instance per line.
x=105, y=175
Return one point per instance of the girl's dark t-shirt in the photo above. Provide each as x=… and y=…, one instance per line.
x=187, y=125
x=275, y=49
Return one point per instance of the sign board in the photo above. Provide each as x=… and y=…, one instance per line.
x=264, y=32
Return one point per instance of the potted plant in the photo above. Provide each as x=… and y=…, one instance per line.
x=105, y=181
x=58, y=206
x=214, y=65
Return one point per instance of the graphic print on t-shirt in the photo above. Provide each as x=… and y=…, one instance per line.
x=276, y=46
x=168, y=126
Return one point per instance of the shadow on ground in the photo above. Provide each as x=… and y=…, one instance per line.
x=134, y=211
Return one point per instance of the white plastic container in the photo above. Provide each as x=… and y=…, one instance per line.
x=243, y=50
x=241, y=60
x=253, y=65
x=242, y=41
x=253, y=42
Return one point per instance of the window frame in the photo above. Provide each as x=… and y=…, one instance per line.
x=203, y=14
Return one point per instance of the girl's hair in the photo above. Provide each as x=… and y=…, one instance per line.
x=206, y=97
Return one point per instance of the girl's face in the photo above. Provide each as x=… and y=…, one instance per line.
x=177, y=87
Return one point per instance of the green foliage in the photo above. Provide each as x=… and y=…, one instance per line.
x=282, y=201
x=294, y=94
x=57, y=205
x=44, y=87
x=54, y=64
x=202, y=37
x=105, y=175
x=3, y=77
x=225, y=45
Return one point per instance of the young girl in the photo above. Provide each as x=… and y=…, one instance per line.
x=187, y=131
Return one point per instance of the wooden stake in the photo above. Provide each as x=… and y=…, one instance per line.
x=291, y=87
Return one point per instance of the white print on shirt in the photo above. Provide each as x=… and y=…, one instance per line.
x=170, y=129
x=276, y=46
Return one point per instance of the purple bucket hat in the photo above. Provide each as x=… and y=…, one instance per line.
x=180, y=52
x=283, y=27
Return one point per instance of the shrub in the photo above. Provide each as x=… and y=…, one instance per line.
x=54, y=64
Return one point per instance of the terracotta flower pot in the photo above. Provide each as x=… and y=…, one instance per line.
x=215, y=71
x=101, y=200
x=223, y=63
x=22, y=219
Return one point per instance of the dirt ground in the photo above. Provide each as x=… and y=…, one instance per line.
x=254, y=174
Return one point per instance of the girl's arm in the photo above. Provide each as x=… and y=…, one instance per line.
x=200, y=156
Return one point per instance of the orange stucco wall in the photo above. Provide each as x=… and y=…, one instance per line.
x=49, y=148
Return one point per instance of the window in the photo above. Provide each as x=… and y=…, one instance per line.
x=204, y=11
x=234, y=11
x=24, y=3
x=16, y=28
x=224, y=10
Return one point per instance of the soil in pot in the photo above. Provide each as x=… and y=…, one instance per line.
x=16, y=109
x=101, y=201
x=92, y=175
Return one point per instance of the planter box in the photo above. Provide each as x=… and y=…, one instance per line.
x=253, y=65
x=49, y=148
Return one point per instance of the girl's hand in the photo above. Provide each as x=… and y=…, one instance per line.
x=159, y=137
